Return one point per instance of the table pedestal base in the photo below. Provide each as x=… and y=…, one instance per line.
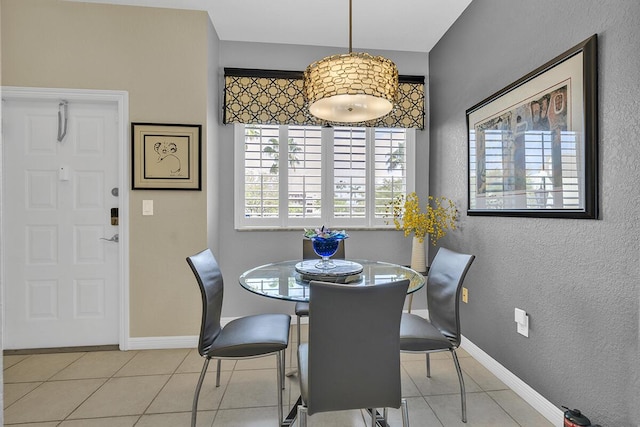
x=293, y=414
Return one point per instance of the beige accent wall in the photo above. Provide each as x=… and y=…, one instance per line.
x=160, y=56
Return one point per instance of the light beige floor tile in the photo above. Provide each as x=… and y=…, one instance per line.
x=439, y=355
x=481, y=375
x=266, y=362
x=10, y=360
x=352, y=418
x=409, y=357
x=409, y=388
x=121, y=396
x=13, y=392
x=304, y=331
x=292, y=386
x=292, y=357
x=177, y=394
x=143, y=382
x=291, y=354
x=420, y=414
x=519, y=410
x=194, y=362
x=246, y=417
x=481, y=411
x=268, y=417
x=98, y=364
x=154, y=362
x=51, y=401
x=204, y=419
x=251, y=388
x=39, y=367
x=102, y=422
x=444, y=378
x=461, y=352
x=45, y=424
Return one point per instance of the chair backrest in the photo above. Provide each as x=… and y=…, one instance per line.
x=444, y=282
x=354, y=346
x=209, y=277
x=309, y=253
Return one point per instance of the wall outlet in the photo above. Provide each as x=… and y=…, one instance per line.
x=465, y=295
x=522, y=322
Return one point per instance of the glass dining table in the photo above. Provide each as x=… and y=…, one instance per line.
x=289, y=280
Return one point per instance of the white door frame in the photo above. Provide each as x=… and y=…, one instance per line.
x=121, y=98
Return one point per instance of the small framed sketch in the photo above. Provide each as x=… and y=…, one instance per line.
x=166, y=156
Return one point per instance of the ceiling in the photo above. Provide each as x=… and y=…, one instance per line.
x=403, y=25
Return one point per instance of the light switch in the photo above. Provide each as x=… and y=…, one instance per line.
x=147, y=207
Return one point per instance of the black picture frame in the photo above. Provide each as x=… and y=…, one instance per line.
x=533, y=146
x=166, y=156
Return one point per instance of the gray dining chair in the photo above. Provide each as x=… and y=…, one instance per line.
x=302, y=308
x=352, y=357
x=246, y=337
x=441, y=332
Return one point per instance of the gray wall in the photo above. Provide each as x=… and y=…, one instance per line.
x=577, y=279
x=241, y=250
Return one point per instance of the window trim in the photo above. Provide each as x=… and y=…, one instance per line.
x=286, y=223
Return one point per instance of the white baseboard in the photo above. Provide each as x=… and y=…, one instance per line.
x=159, y=343
x=522, y=389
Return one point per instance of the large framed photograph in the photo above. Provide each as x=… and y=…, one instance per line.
x=166, y=156
x=533, y=146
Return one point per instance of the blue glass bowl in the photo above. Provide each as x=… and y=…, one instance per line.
x=325, y=248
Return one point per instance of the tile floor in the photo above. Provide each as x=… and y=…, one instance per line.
x=155, y=388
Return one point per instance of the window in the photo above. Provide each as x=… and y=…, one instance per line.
x=307, y=176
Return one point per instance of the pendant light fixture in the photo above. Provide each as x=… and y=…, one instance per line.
x=352, y=87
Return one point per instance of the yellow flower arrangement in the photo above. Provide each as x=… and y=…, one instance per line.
x=440, y=216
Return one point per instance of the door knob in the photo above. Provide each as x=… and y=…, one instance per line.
x=114, y=238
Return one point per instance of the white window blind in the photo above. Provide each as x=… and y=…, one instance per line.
x=308, y=176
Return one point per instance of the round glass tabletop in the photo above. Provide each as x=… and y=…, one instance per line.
x=282, y=280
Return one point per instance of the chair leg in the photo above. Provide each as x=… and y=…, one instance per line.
x=194, y=407
x=280, y=385
x=302, y=416
x=218, y=373
x=283, y=366
x=298, y=329
x=428, y=365
x=373, y=417
x=405, y=413
x=463, y=397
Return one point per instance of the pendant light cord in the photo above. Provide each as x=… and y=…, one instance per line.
x=350, y=24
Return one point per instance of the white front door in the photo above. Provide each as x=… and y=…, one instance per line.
x=60, y=274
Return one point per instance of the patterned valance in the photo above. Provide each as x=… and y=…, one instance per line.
x=276, y=97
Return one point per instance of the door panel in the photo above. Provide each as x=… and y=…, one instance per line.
x=61, y=275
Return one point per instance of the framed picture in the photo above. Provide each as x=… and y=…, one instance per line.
x=533, y=146
x=166, y=156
